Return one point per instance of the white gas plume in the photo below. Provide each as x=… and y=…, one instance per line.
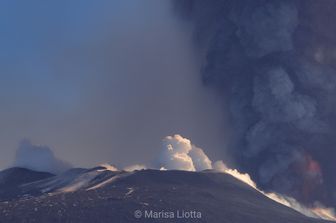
x=179, y=153
x=135, y=167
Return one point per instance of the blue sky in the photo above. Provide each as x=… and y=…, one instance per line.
x=95, y=80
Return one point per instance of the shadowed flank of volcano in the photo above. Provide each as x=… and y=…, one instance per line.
x=100, y=195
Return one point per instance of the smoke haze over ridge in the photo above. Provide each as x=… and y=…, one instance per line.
x=38, y=158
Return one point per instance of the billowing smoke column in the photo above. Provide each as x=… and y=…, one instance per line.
x=179, y=153
x=274, y=64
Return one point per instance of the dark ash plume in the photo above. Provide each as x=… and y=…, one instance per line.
x=274, y=62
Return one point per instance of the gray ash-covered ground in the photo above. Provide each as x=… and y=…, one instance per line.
x=98, y=195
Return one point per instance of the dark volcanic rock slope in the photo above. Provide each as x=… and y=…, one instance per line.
x=99, y=195
x=11, y=180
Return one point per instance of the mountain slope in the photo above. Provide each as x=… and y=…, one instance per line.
x=11, y=179
x=99, y=195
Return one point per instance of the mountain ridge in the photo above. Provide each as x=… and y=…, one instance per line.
x=115, y=196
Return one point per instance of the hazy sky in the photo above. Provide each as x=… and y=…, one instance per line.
x=100, y=81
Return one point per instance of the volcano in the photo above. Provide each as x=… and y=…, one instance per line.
x=104, y=195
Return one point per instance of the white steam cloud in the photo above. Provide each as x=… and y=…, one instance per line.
x=180, y=154
x=108, y=167
x=38, y=158
x=316, y=211
x=135, y=167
